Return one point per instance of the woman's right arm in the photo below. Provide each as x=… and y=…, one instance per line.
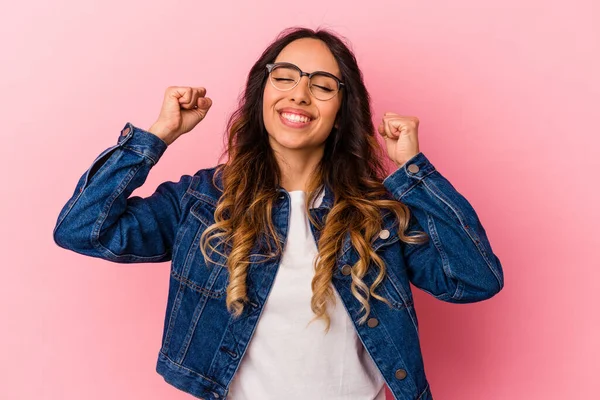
x=101, y=220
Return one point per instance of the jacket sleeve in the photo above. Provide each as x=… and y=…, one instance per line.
x=102, y=220
x=457, y=263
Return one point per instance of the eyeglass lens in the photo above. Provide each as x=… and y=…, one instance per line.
x=323, y=87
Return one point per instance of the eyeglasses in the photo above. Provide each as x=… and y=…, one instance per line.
x=285, y=76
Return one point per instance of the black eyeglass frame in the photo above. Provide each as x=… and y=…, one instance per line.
x=271, y=66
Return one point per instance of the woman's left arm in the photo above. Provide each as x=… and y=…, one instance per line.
x=457, y=264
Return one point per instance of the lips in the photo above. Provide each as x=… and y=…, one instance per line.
x=296, y=111
x=293, y=124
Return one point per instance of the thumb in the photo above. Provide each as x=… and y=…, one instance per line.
x=203, y=103
x=197, y=113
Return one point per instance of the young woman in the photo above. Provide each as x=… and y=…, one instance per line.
x=291, y=263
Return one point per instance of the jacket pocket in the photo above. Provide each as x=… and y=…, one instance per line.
x=396, y=284
x=398, y=296
x=208, y=276
x=401, y=299
x=387, y=246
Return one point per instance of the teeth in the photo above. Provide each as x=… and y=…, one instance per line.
x=295, y=117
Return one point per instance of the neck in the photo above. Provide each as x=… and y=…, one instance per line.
x=296, y=167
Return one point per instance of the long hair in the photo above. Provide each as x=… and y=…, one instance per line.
x=351, y=166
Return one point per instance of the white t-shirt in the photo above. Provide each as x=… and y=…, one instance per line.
x=288, y=360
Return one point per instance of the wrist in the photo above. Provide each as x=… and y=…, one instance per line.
x=162, y=134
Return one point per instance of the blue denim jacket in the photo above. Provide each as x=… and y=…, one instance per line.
x=202, y=344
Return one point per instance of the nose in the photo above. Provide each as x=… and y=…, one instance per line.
x=301, y=93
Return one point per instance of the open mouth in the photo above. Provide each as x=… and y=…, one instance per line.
x=294, y=120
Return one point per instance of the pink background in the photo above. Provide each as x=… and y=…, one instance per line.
x=507, y=94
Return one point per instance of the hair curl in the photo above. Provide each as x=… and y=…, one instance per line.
x=351, y=166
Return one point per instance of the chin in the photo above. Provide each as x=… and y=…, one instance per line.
x=288, y=143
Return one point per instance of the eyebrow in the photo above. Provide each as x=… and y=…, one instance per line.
x=320, y=70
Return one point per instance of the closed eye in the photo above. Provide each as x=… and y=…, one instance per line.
x=324, y=88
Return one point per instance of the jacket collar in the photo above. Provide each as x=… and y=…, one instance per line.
x=327, y=197
x=324, y=199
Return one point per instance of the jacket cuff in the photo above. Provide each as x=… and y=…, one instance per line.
x=409, y=175
x=142, y=142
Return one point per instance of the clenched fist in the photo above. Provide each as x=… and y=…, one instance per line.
x=401, y=136
x=182, y=109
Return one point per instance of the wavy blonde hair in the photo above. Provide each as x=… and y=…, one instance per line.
x=351, y=166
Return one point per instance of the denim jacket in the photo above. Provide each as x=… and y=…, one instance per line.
x=202, y=344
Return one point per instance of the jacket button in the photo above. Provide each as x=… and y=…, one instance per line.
x=372, y=322
x=384, y=234
x=346, y=269
x=414, y=168
x=400, y=374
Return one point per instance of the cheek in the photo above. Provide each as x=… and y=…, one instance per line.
x=269, y=97
x=330, y=113
x=270, y=116
x=268, y=105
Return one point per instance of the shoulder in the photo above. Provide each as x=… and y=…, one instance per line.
x=206, y=185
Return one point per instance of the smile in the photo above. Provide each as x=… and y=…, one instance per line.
x=294, y=120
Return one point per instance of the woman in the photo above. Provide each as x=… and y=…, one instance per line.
x=299, y=215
